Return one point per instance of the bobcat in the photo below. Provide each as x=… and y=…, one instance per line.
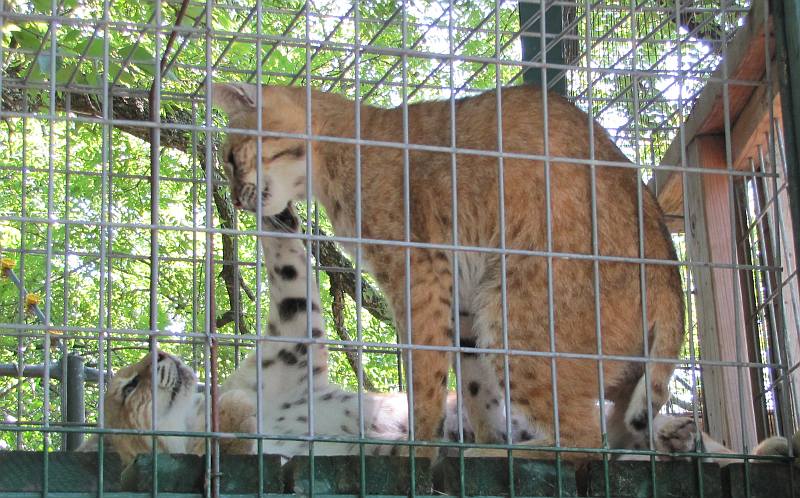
x=547, y=262
x=293, y=313
x=128, y=400
x=128, y=405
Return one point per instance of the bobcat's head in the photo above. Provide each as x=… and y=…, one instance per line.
x=129, y=405
x=280, y=176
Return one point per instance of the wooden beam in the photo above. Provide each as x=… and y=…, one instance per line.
x=749, y=130
x=710, y=239
x=754, y=124
x=746, y=64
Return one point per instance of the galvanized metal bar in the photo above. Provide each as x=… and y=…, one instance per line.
x=37, y=372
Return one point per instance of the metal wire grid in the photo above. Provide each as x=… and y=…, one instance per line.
x=773, y=304
x=381, y=54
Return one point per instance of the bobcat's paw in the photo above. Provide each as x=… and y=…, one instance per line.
x=636, y=415
x=674, y=434
x=772, y=446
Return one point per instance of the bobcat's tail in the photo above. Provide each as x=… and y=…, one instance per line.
x=666, y=320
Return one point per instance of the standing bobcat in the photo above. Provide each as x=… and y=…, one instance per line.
x=549, y=264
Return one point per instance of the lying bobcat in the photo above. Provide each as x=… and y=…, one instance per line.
x=285, y=368
x=128, y=406
x=128, y=401
x=564, y=187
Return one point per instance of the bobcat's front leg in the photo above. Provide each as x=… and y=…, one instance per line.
x=431, y=283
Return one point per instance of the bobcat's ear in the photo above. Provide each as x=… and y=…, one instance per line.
x=234, y=98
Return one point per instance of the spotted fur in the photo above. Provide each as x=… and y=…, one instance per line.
x=286, y=391
x=285, y=388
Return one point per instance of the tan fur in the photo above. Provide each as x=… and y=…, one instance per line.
x=175, y=407
x=779, y=446
x=237, y=414
x=181, y=412
x=524, y=182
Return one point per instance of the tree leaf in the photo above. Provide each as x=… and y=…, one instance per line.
x=137, y=54
x=95, y=47
x=27, y=40
x=43, y=6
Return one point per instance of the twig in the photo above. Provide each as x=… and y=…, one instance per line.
x=337, y=309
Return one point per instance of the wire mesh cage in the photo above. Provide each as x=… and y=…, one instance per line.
x=125, y=235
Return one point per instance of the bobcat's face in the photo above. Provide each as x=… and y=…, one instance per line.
x=275, y=174
x=129, y=399
x=282, y=171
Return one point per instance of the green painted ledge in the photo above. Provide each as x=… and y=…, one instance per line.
x=674, y=479
x=342, y=475
x=493, y=477
x=238, y=474
x=24, y=471
x=761, y=480
x=76, y=475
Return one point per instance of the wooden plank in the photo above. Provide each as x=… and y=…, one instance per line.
x=710, y=238
x=784, y=228
x=753, y=125
x=697, y=250
x=746, y=61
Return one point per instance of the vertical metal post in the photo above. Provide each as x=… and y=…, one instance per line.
x=531, y=43
x=787, y=31
x=75, y=406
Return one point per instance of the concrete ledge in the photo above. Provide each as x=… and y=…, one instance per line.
x=669, y=479
x=22, y=471
x=761, y=480
x=490, y=476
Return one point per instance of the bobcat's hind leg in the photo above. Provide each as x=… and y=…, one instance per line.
x=482, y=397
x=531, y=381
x=237, y=413
x=431, y=325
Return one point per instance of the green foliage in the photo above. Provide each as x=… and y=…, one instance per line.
x=75, y=198
x=75, y=193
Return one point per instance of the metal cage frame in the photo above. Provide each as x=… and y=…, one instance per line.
x=701, y=97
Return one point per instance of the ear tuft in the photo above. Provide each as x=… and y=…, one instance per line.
x=234, y=97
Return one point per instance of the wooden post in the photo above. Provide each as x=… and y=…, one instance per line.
x=710, y=238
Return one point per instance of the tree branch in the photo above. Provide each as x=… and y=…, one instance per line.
x=138, y=109
x=371, y=298
x=337, y=309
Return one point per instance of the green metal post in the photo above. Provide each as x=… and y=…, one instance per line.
x=76, y=406
x=530, y=20
x=787, y=34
